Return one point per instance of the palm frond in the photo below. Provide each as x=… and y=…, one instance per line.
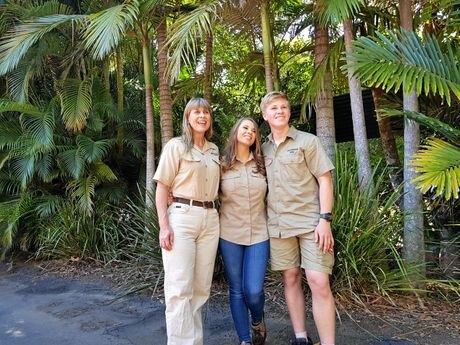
x=11, y=132
x=76, y=102
x=453, y=9
x=47, y=8
x=15, y=43
x=44, y=167
x=420, y=65
x=431, y=122
x=7, y=105
x=184, y=38
x=102, y=172
x=72, y=162
x=19, y=78
x=49, y=205
x=438, y=163
x=106, y=28
x=9, y=184
x=82, y=190
x=329, y=63
x=40, y=127
x=11, y=212
x=337, y=11
x=92, y=150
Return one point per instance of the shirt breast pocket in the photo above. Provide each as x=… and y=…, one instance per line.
x=293, y=165
x=229, y=182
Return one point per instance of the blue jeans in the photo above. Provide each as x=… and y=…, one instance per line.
x=245, y=270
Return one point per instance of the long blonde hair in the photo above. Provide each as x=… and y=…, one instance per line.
x=229, y=157
x=187, y=130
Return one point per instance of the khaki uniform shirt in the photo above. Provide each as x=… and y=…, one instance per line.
x=293, y=191
x=192, y=175
x=242, y=211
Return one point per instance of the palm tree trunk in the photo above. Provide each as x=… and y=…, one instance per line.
x=106, y=78
x=266, y=42
x=149, y=125
x=414, y=245
x=388, y=140
x=325, y=127
x=357, y=110
x=275, y=69
x=120, y=76
x=207, y=86
x=166, y=123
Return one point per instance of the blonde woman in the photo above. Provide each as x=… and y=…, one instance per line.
x=189, y=227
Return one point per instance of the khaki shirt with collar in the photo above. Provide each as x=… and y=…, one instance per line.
x=293, y=191
x=242, y=210
x=193, y=174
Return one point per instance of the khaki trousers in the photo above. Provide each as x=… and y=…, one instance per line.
x=188, y=271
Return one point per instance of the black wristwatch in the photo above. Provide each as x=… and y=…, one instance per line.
x=326, y=216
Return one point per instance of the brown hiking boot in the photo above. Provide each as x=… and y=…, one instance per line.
x=259, y=333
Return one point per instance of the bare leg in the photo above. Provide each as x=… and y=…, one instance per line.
x=323, y=305
x=294, y=298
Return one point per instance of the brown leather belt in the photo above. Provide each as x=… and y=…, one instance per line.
x=204, y=204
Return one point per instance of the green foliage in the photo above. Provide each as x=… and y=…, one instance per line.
x=106, y=28
x=69, y=233
x=438, y=163
x=337, y=11
x=438, y=126
x=367, y=228
x=403, y=57
x=76, y=102
x=15, y=44
x=185, y=33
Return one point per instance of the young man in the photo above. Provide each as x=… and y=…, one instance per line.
x=299, y=206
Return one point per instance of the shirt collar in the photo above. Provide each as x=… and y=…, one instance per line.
x=292, y=133
x=251, y=157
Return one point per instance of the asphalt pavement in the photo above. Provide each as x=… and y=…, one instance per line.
x=38, y=309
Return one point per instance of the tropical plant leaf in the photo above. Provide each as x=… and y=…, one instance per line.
x=102, y=172
x=49, y=205
x=9, y=184
x=15, y=44
x=40, y=127
x=72, y=162
x=106, y=28
x=431, y=122
x=92, y=150
x=7, y=105
x=388, y=62
x=23, y=167
x=183, y=39
x=76, y=102
x=44, y=167
x=82, y=191
x=11, y=212
x=329, y=63
x=438, y=163
x=337, y=11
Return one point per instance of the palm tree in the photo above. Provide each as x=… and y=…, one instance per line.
x=343, y=11
x=325, y=126
x=414, y=245
x=166, y=123
x=101, y=33
x=267, y=43
x=416, y=65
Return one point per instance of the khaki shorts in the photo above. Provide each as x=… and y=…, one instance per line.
x=286, y=253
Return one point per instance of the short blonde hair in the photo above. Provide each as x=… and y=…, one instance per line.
x=271, y=96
